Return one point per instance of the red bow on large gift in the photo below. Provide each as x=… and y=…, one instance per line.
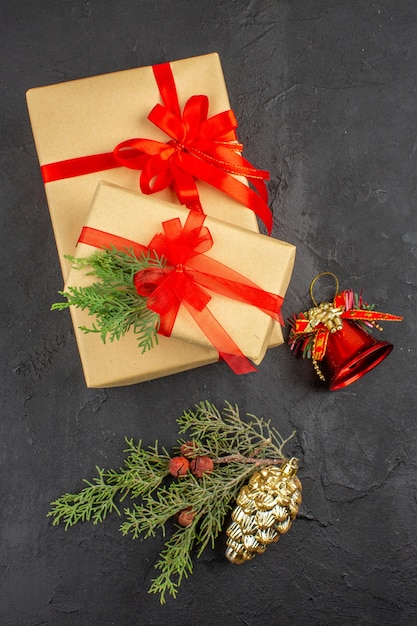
x=185, y=278
x=200, y=147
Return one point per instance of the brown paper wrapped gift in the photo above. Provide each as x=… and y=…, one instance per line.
x=91, y=116
x=261, y=259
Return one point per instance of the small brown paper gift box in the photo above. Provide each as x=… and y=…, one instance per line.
x=93, y=115
x=261, y=259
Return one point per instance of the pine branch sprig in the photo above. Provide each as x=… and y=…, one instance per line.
x=175, y=562
x=113, y=299
x=217, y=433
x=143, y=472
x=233, y=448
x=211, y=499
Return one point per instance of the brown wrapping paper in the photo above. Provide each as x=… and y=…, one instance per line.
x=266, y=261
x=92, y=115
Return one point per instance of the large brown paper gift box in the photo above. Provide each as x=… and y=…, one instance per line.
x=93, y=115
x=261, y=259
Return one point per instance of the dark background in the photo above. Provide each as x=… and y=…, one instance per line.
x=325, y=95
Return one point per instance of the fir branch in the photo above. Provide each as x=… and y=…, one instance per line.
x=113, y=300
x=175, y=562
x=236, y=447
x=217, y=434
x=143, y=472
x=211, y=498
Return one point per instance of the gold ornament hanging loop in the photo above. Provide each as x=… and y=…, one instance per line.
x=315, y=279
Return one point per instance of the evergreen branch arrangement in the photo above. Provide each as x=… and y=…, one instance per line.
x=190, y=493
x=113, y=300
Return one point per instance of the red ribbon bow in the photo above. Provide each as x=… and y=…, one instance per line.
x=343, y=301
x=200, y=147
x=184, y=280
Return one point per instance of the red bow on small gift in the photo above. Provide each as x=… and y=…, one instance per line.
x=200, y=147
x=185, y=278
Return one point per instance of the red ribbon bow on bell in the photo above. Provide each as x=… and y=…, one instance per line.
x=185, y=278
x=327, y=318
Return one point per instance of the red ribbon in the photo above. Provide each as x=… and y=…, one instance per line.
x=185, y=278
x=200, y=147
x=321, y=332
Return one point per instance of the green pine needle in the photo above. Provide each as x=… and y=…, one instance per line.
x=113, y=300
x=143, y=472
x=234, y=444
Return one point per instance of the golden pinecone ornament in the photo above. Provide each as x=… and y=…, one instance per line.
x=265, y=509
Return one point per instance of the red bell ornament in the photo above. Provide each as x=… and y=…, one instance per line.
x=336, y=336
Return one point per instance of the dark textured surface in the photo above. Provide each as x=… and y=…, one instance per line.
x=325, y=95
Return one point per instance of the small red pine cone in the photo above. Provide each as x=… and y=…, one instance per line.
x=188, y=449
x=201, y=465
x=185, y=517
x=178, y=466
